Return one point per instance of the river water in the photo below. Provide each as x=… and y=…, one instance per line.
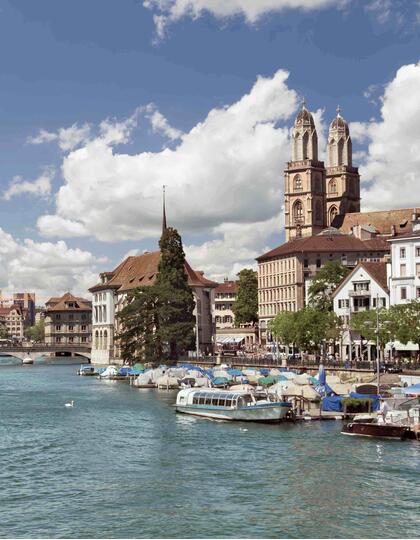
x=122, y=464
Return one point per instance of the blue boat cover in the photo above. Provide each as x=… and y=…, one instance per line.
x=335, y=403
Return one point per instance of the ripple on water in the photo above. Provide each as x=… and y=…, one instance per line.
x=121, y=463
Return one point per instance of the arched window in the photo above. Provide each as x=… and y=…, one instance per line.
x=104, y=313
x=333, y=213
x=331, y=153
x=298, y=212
x=305, y=145
x=297, y=183
x=340, y=148
x=105, y=343
x=333, y=186
x=96, y=340
x=100, y=340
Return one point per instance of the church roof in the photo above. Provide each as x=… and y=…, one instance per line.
x=142, y=270
x=304, y=117
x=322, y=244
x=382, y=221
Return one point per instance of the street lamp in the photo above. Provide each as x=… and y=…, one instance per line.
x=378, y=325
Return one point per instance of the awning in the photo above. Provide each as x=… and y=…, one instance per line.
x=402, y=346
x=229, y=339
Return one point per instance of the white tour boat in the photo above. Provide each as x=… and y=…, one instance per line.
x=231, y=405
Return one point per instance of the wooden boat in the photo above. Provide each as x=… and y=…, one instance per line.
x=374, y=429
x=228, y=405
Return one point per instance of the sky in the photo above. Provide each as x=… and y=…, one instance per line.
x=104, y=102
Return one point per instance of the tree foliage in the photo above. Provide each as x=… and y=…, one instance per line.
x=245, y=308
x=4, y=334
x=365, y=322
x=406, y=322
x=36, y=332
x=159, y=319
x=306, y=328
x=324, y=284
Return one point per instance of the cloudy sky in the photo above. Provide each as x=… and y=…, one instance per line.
x=104, y=101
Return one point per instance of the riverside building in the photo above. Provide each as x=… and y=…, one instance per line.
x=68, y=320
x=323, y=221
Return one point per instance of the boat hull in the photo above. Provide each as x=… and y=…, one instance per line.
x=258, y=413
x=384, y=431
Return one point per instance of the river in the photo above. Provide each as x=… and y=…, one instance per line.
x=122, y=464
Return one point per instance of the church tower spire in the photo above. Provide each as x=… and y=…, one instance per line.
x=342, y=180
x=304, y=180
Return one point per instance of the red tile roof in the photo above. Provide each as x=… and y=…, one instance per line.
x=227, y=287
x=140, y=270
x=376, y=270
x=326, y=243
x=382, y=221
x=79, y=304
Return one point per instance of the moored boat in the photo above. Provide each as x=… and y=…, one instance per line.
x=374, y=429
x=228, y=405
x=27, y=361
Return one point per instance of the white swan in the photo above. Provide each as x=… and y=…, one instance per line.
x=69, y=404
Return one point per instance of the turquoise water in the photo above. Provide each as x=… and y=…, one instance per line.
x=123, y=464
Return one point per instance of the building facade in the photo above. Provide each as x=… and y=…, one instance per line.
x=284, y=272
x=224, y=299
x=364, y=288
x=109, y=297
x=68, y=320
x=14, y=320
x=404, y=269
x=314, y=194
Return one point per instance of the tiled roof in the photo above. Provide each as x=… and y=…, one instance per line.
x=140, y=270
x=322, y=243
x=377, y=271
x=382, y=221
x=227, y=287
x=80, y=304
x=412, y=234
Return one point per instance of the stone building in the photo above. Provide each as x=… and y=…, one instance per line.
x=110, y=294
x=224, y=299
x=285, y=272
x=14, y=319
x=314, y=194
x=68, y=320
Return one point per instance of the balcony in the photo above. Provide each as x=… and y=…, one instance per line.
x=360, y=293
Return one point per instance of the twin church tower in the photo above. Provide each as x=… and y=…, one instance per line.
x=314, y=194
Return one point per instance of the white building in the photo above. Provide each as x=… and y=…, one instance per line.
x=404, y=270
x=109, y=297
x=364, y=288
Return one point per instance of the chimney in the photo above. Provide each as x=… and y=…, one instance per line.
x=393, y=230
x=415, y=220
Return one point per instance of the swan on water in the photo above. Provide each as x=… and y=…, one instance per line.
x=69, y=404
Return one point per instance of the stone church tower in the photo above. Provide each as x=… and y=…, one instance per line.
x=304, y=177
x=342, y=179
x=313, y=195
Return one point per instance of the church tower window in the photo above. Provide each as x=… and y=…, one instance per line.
x=333, y=186
x=333, y=213
x=298, y=212
x=297, y=181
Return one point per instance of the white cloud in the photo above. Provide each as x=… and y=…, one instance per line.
x=67, y=138
x=391, y=164
x=41, y=187
x=46, y=268
x=161, y=125
x=168, y=11
x=235, y=247
x=226, y=169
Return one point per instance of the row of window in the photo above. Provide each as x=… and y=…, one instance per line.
x=403, y=252
x=71, y=339
x=225, y=295
x=403, y=270
x=276, y=267
x=403, y=293
x=277, y=280
x=70, y=316
x=280, y=294
x=267, y=310
x=70, y=328
x=98, y=297
x=225, y=319
x=99, y=314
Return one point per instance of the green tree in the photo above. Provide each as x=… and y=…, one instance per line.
x=324, y=284
x=139, y=336
x=4, y=334
x=176, y=321
x=245, y=308
x=307, y=328
x=37, y=332
x=406, y=322
x=365, y=322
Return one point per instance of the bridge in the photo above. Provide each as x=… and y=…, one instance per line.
x=43, y=349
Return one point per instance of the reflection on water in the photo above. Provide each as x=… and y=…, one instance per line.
x=122, y=463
